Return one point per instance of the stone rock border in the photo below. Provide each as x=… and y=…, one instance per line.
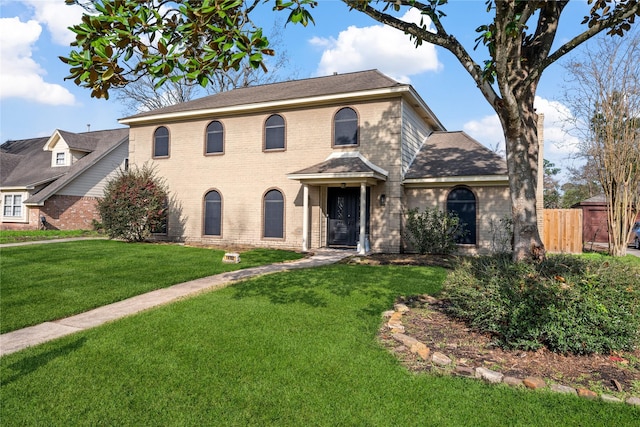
x=441, y=360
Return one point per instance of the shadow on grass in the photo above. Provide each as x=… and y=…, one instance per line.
x=30, y=364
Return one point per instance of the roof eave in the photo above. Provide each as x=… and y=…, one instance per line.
x=474, y=180
x=346, y=178
x=270, y=105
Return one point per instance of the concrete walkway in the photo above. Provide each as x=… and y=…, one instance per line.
x=38, y=334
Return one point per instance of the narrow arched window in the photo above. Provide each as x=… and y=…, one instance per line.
x=345, y=127
x=274, y=133
x=161, y=142
x=215, y=138
x=212, y=214
x=462, y=201
x=273, y=213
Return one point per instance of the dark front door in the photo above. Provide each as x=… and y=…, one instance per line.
x=344, y=216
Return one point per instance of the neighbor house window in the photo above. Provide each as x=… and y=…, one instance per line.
x=274, y=133
x=161, y=142
x=12, y=205
x=212, y=214
x=345, y=127
x=462, y=201
x=273, y=212
x=215, y=138
x=60, y=160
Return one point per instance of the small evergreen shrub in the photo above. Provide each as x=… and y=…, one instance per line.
x=433, y=231
x=134, y=205
x=566, y=303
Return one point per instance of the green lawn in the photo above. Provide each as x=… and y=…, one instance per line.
x=40, y=283
x=291, y=349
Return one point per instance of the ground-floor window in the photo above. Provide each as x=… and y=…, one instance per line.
x=12, y=206
x=273, y=214
x=462, y=201
x=213, y=214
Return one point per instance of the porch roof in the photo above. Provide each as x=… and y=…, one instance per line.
x=341, y=168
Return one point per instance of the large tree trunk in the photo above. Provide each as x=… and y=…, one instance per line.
x=521, y=139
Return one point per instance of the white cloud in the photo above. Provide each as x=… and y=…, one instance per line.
x=58, y=17
x=20, y=75
x=559, y=146
x=379, y=46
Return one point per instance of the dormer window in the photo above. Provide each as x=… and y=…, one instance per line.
x=60, y=159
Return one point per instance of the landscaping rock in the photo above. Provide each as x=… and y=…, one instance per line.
x=421, y=350
x=440, y=359
x=633, y=401
x=388, y=314
x=465, y=371
x=534, y=382
x=489, y=375
x=405, y=339
x=512, y=381
x=583, y=392
x=401, y=308
x=559, y=388
x=609, y=398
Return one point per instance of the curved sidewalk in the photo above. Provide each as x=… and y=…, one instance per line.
x=38, y=334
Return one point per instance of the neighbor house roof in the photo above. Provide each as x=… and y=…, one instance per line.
x=350, y=86
x=455, y=155
x=30, y=166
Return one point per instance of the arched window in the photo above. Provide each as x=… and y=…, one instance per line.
x=212, y=214
x=215, y=138
x=462, y=201
x=161, y=142
x=274, y=133
x=273, y=212
x=345, y=127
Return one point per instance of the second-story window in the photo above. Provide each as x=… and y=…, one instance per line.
x=345, y=127
x=274, y=133
x=215, y=138
x=161, y=142
x=60, y=160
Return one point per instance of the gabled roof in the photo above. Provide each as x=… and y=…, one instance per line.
x=31, y=165
x=344, y=167
x=75, y=141
x=445, y=155
x=344, y=87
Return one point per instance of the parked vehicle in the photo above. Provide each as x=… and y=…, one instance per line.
x=635, y=235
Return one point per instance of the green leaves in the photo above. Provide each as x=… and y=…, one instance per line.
x=187, y=40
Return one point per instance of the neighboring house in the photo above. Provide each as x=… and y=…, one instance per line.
x=54, y=182
x=332, y=161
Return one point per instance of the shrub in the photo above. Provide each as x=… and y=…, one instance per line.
x=501, y=232
x=134, y=204
x=568, y=304
x=433, y=231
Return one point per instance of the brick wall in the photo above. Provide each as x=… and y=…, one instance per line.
x=68, y=213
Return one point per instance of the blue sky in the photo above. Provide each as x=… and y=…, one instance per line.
x=35, y=99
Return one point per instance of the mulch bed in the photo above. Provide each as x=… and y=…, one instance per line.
x=427, y=322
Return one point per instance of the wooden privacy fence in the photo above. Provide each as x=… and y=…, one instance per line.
x=562, y=230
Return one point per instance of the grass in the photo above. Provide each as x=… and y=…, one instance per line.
x=47, y=282
x=290, y=349
x=13, y=236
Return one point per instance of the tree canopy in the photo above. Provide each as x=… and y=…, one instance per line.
x=198, y=37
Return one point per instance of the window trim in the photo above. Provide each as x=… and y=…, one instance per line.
x=23, y=209
x=153, y=145
x=61, y=158
x=204, y=214
x=284, y=215
x=333, y=129
x=475, y=196
x=206, y=139
x=284, y=136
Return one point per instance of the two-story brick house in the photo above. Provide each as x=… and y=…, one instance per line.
x=323, y=162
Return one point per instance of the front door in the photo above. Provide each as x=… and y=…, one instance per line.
x=343, y=205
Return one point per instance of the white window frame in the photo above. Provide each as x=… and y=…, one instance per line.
x=12, y=211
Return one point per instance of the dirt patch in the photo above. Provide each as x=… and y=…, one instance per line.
x=427, y=322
